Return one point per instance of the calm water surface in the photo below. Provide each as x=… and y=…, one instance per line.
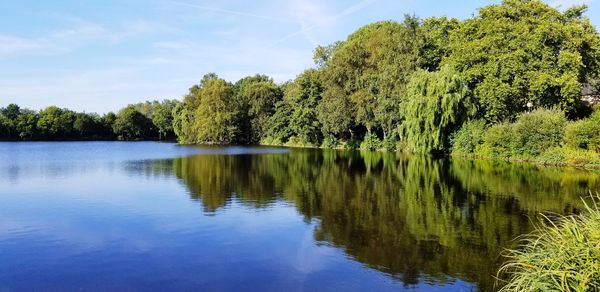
x=101, y=216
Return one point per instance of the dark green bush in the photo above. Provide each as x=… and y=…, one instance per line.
x=468, y=137
x=537, y=131
x=584, y=134
x=389, y=143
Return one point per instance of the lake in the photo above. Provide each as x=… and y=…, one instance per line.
x=102, y=216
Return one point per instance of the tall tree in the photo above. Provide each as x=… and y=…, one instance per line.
x=436, y=105
x=214, y=118
x=372, y=67
x=162, y=117
x=524, y=51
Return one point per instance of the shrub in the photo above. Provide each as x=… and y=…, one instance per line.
x=584, y=134
x=468, y=137
x=351, y=144
x=330, y=142
x=498, y=141
x=537, y=131
x=560, y=255
x=390, y=143
x=295, y=141
x=570, y=156
x=271, y=141
x=370, y=142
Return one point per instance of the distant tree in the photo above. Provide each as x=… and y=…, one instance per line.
x=26, y=124
x=162, y=117
x=87, y=125
x=54, y=122
x=303, y=96
x=182, y=124
x=256, y=97
x=11, y=111
x=214, y=119
x=130, y=124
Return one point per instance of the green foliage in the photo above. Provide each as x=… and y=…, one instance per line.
x=371, y=142
x=562, y=254
x=162, y=117
x=335, y=113
x=390, y=142
x=437, y=103
x=130, y=124
x=54, y=122
x=256, y=98
x=537, y=131
x=367, y=75
x=279, y=129
x=498, y=142
x=584, y=134
x=569, y=156
x=26, y=124
x=329, y=142
x=304, y=94
x=469, y=137
x=521, y=52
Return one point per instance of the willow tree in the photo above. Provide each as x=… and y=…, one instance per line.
x=437, y=103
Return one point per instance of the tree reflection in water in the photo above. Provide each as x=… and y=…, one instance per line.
x=415, y=218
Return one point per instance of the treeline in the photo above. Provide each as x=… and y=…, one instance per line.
x=408, y=85
x=149, y=120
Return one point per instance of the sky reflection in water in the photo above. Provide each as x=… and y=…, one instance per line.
x=145, y=215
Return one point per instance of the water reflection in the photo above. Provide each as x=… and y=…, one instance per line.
x=415, y=218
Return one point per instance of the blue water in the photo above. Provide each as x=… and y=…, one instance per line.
x=114, y=216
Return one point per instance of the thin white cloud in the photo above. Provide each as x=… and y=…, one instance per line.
x=305, y=29
x=79, y=32
x=227, y=11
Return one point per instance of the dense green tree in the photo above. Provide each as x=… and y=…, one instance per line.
x=279, y=124
x=434, y=46
x=335, y=114
x=182, y=123
x=372, y=68
x=525, y=51
x=214, y=118
x=55, y=123
x=303, y=96
x=130, y=124
x=162, y=117
x=26, y=124
x=87, y=125
x=5, y=127
x=256, y=97
x=11, y=111
x=437, y=104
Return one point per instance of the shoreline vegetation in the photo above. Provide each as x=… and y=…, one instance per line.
x=561, y=254
x=430, y=86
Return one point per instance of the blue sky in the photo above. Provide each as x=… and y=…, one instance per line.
x=99, y=55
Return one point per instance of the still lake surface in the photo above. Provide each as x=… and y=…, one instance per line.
x=106, y=216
